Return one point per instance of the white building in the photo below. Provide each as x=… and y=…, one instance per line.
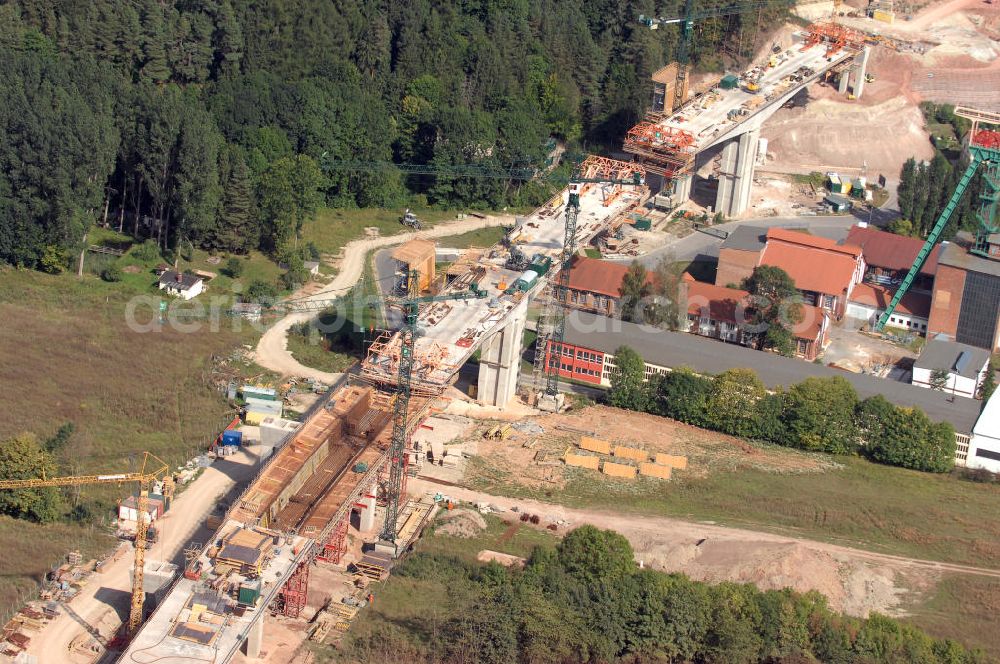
x=184, y=286
x=964, y=365
x=984, y=448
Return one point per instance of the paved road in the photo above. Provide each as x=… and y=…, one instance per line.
x=702, y=246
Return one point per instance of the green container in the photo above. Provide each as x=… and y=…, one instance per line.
x=361, y=467
x=729, y=82
x=643, y=224
x=249, y=593
x=541, y=264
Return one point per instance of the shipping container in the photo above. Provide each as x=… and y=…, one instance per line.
x=540, y=263
x=264, y=393
x=526, y=280
x=272, y=408
x=884, y=16
x=249, y=592
x=232, y=437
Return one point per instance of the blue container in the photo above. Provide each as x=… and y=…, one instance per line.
x=232, y=438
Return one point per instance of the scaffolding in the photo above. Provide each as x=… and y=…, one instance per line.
x=431, y=368
x=836, y=36
x=335, y=545
x=666, y=151
x=295, y=591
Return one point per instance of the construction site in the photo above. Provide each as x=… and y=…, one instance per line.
x=332, y=502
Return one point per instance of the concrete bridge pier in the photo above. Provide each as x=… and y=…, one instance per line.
x=736, y=173
x=368, y=503
x=682, y=188
x=255, y=639
x=859, y=70
x=500, y=360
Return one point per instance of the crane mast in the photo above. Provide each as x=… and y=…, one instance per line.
x=145, y=477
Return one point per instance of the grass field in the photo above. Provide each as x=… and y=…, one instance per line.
x=860, y=504
x=71, y=357
x=318, y=355
x=963, y=608
x=332, y=229
x=484, y=237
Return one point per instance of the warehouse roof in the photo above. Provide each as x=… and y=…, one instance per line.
x=891, y=251
x=814, y=263
x=962, y=359
x=709, y=356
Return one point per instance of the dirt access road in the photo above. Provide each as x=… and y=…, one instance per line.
x=854, y=581
x=272, y=349
x=104, y=602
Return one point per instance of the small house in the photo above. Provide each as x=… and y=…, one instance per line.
x=961, y=368
x=312, y=267
x=179, y=284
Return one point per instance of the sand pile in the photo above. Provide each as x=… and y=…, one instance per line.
x=461, y=523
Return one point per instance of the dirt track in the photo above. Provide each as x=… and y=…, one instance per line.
x=854, y=580
x=272, y=352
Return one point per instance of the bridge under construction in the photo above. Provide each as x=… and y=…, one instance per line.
x=295, y=513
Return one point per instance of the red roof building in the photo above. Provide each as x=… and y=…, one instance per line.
x=595, y=285
x=888, y=257
x=721, y=313
x=824, y=272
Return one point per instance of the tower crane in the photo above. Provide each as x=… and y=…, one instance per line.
x=400, y=407
x=153, y=468
x=984, y=150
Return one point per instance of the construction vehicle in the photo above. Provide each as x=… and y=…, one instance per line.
x=984, y=150
x=401, y=402
x=145, y=477
x=409, y=219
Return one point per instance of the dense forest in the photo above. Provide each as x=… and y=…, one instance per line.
x=211, y=121
x=586, y=601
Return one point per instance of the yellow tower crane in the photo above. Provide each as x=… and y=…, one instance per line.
x=147, y=474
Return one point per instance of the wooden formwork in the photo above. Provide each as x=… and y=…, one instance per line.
x=582, y=461
x=595, y=445
x=633, y=453
x=674, y=461
x=655, y=470
x=618, y=469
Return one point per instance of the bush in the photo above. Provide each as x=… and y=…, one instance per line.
x=147, y=251
x=259, y=291
x=111, y=273
x=312, y=251
x=234, y=267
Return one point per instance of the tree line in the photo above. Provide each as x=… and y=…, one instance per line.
x=210, y=122
x=817, y=414
x=586, y=600
x=925, y=187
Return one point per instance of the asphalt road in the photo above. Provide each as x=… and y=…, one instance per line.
x=702, y=246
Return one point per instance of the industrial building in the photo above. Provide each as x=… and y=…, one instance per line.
x=966, y=303
x=592, y=340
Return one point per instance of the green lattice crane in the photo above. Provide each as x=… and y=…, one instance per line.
x=401, y=404
x=984, y=150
